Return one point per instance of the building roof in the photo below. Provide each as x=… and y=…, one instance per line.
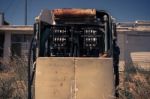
x=134, y=26
x=16, y=28
x=143, y=26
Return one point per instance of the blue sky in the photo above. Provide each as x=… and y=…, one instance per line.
x=122, y=10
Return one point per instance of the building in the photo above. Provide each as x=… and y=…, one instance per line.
x=15, y=40
x=133, y=40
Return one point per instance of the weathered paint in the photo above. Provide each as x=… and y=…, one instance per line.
x=74, y=12
x=94, y=78
x=74, y=78
x=54, y=78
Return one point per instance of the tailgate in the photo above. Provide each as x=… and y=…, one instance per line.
x=74, y=78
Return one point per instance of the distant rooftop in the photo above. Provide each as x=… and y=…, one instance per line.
x=16, y=27
x=134, y=26
x=122, y=26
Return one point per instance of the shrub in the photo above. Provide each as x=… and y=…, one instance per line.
x=136, y=84
x=13, y=79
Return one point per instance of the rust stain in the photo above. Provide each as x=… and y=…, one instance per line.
x=74, y=12
x=61, y=84
x=56, y=72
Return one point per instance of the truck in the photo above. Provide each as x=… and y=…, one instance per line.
x=72, y=55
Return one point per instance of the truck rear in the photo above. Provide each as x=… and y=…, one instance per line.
x=71, y=55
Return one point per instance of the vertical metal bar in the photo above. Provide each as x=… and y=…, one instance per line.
x=29, y=71
x=25, y=22
x=106, y=33
x=72, y=47
x=110, y=38
x=36, y=30
x=29, y=62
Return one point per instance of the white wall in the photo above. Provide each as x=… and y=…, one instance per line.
x=7, y=46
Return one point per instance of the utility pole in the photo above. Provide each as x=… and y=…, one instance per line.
x=29, y=82
x=25, y=21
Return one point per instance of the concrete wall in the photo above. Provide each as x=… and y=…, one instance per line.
x=134, y=46
x=121, y=43
x=7, y=45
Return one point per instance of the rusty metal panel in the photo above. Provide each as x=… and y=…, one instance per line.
x=74, y=12
x=94, y=78
x=54, y=78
